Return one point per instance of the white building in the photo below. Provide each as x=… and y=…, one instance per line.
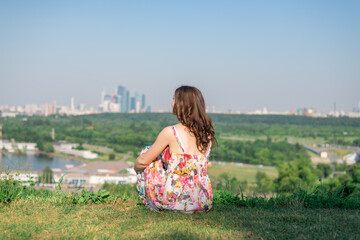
x=12, y=146
x=67, y=148
x=31, y=109
x=114, y=107
x=323, y=154
x=24, y=177
x=351, y=158
x=8, y=114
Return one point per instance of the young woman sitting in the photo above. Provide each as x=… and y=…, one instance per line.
x=172, y=173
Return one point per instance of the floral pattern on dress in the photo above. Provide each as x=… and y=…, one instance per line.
x=176, y=182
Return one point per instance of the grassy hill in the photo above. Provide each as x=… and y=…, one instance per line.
x=115, y=213
x=51, y=219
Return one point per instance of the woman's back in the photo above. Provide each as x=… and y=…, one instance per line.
x=187, y=141
x=179, y=181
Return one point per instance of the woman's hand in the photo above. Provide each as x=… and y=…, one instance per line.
x=162, y=141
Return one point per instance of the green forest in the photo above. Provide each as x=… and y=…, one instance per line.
x=137, y=130
x=249, y=139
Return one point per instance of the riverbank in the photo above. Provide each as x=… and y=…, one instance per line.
x=67, y=156
x=117, y=156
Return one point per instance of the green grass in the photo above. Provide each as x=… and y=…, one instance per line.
x=26, y=213
x=103, y=157
x=68, y=156
x=104, y=154
x=340, y=152
x=239, y=172
x=41, y=218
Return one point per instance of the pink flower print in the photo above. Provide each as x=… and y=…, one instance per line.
x=167, y=155
x=182, y=164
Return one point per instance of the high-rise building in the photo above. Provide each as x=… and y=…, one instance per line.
x=119, y=100
x=132, y=104
x=102, y=97
x=143, y=102
x=55, y=112
x=72, y=106
x=51, y=109
x=82, y=107
x=123, y=101
x=127, y=102
x=137, y=102
x=121, y=91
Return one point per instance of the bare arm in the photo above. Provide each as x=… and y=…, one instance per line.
x=150, y=155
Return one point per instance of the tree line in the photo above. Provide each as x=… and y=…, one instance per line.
x=131, y=132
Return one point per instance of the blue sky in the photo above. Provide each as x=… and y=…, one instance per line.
x=243, y=55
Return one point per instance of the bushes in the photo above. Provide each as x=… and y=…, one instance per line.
x=45, y=146
x=102, y=196
x=111, y=156
x=350, y=181
x=295, y=175
x=47, y=176
x=11, y=190
x=315, y=199
x=126, y=191
x=257, y=152
x=325, y=169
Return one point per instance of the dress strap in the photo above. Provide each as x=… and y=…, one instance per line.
x=178, y=138
x=208, y=153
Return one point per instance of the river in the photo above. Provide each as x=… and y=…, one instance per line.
x=33, y=161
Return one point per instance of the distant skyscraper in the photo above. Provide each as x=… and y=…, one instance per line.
x=357, y=108
x=132, y=104
x=55, y=111
x=127, y=102
x=119, y=100
x=102, y=97
x=121, y=91
x=72, y=106
x=122, y=101
x=137, y=102
x=143, y=102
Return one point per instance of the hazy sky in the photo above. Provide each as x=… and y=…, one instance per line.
x=243, y=55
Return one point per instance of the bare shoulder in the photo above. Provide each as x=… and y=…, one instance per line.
x=166, y=132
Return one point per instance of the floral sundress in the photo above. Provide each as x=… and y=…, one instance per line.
x=176, y=182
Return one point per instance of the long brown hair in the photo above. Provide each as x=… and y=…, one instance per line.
x=189, y=108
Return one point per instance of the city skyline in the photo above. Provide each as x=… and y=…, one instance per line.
x=110, y=102
x=121, y=100
x=242, y=55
